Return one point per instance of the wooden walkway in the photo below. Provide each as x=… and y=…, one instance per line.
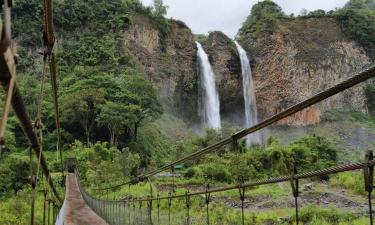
x=77, y=212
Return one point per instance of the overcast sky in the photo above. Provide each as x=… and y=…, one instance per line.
x=203, y=16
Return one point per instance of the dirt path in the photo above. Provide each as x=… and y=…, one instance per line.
x=76, y=210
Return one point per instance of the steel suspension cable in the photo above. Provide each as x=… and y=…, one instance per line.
x=272, y=180
x=357, y=79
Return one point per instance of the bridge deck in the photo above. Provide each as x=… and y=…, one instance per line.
x=77, y=212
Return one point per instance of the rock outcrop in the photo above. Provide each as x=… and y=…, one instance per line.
x=225, y=62
x=300, y=58
x=167, y=60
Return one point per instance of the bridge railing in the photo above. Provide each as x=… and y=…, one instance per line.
x=127, y=211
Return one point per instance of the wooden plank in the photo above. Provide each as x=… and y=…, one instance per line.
x=77, y=212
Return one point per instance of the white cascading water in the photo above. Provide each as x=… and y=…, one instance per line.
x=251, y=111
x=209, y=102
x=60, y=217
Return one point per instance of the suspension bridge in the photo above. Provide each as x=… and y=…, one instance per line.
x=80, y=207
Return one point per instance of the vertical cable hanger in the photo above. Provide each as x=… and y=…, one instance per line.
x=49, y=43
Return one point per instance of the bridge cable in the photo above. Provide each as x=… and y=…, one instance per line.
x=8, y=61
x=357, y=79
x=49, y=42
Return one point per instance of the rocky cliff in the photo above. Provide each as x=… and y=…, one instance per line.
x=167, y=60
x=300, y=58
x=297, y=59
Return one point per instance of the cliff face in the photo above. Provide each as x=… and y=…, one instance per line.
x=169, y=62
x=300, y=58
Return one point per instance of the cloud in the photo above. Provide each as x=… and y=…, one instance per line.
x=203, y=16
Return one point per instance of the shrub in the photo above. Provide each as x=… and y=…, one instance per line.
x=216, y=172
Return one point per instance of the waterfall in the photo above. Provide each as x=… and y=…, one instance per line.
x=251, y=111
x=209, y=98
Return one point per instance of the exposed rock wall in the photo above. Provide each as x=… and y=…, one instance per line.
x=172, y=67
x=225, y=62
x=299, y=59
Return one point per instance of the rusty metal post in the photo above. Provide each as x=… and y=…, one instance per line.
x=45, y=191
x=49, y=211
x=173, y=180
x=33, y=184
x=169, y=207
x=149, y=205
x=208, y=199
x=158, y=204
x=134, y=216
x=242, y=190
x=188, y=204
x=369, y=181
x=295, y=189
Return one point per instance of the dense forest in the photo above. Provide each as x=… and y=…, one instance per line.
x=114, y=120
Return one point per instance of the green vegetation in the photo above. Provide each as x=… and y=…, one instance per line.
x=308, y=153
x=115, y=125
x=357, y=20
x=262, y=17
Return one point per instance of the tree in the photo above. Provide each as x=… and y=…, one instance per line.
x=140, y=92
x=115, y=116
x=82, y=106
x=304, y=12
x=356, y=4
x=263, y=15
x=317, y=13
x=159, y=9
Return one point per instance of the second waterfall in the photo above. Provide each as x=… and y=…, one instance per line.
x=209, y=98
x=251, y=111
